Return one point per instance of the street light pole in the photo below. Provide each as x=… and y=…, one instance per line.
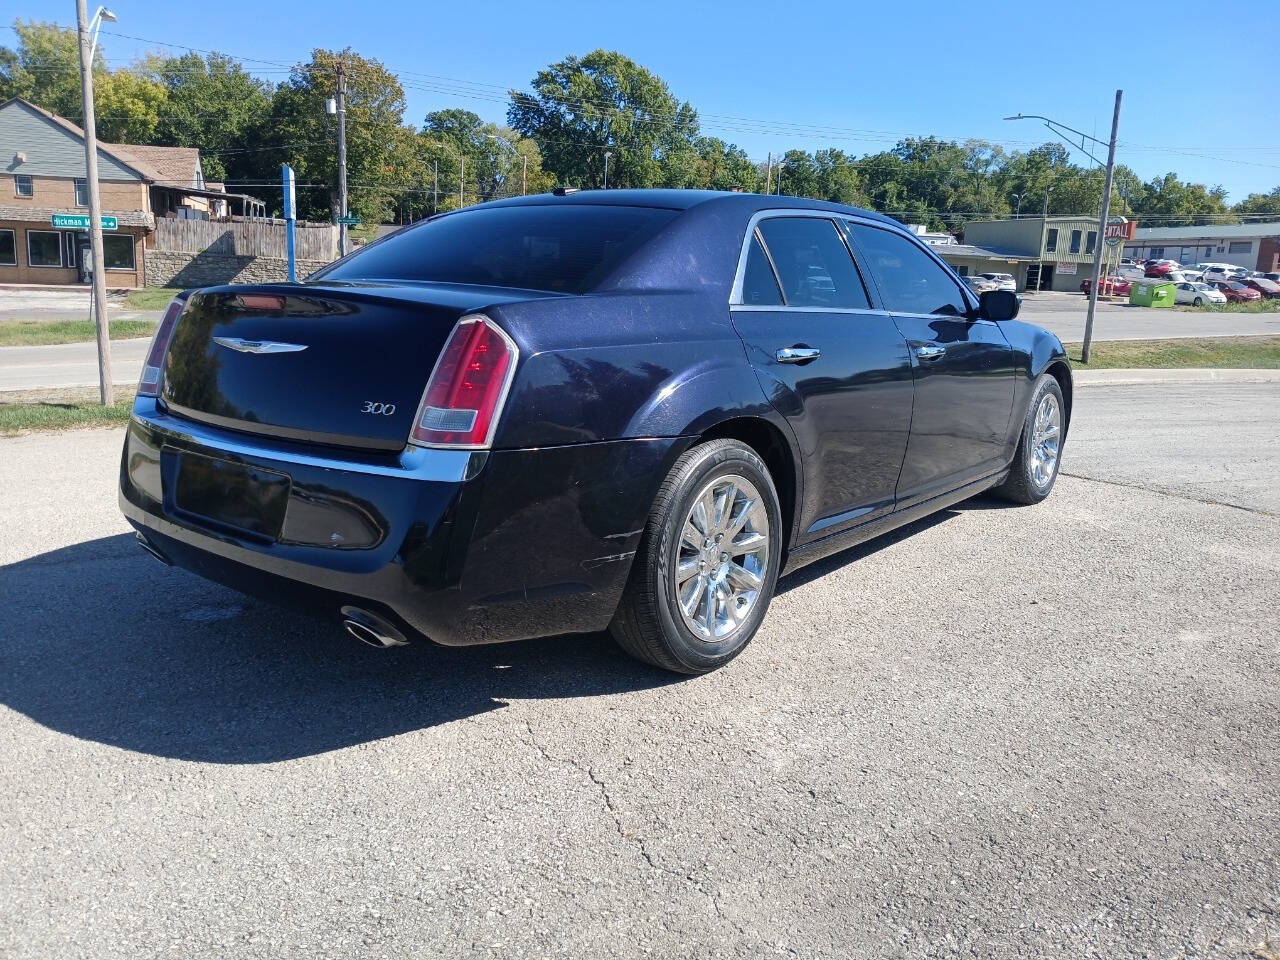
x=99, y=294
x=1044, y=230
x=607, y=155
x=1017, y=198
x=1102, y=231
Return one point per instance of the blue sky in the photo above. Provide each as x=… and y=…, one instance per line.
x=1199, y=101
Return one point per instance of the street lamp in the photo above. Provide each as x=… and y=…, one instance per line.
x=607, y=155
x=1053, y=125
x=99, y=292
x=95, y=25
x=1017, y=199
x=462, y=171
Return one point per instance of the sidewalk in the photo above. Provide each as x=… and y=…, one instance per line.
x=1145, y=375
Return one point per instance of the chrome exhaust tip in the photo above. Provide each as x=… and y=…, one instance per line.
x=146, y=545
x=371, y=629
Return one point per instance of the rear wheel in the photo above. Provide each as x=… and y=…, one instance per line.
x=1198, y=302
x=707, y=564
x=1035, y=465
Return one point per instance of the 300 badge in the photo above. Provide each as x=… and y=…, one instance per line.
x=384, y=409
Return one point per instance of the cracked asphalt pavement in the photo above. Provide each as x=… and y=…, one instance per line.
x=1003, y=732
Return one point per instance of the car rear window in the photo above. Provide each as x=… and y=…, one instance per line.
x=566, y=249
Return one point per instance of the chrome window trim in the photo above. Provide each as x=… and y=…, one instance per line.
x=760, y=308
x=412, y=463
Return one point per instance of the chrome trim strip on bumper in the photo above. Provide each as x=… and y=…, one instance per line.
x=412, y=463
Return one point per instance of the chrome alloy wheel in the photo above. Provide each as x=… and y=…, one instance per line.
x=722, y=557
x=1046, y=436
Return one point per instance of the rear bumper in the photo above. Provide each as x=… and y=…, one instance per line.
x=461, y=547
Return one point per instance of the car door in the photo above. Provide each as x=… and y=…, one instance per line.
x=963, y=367
x=834, y=366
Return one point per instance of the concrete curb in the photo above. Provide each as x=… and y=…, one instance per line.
x=1139, y=376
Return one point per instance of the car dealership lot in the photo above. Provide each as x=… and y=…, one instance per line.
x=1007, y=731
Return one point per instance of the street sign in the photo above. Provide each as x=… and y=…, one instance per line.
x=349, y=220
x=1118, y=230
x=80, y=221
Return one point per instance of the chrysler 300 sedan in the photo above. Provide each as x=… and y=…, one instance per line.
x=623, y=410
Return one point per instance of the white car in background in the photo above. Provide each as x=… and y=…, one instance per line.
x=1003, y=281
x=1223, y=272
x=1132, y=271
x=1192, y=274
x=1197, y=294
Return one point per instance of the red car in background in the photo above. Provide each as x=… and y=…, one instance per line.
x=1235, y=291
x=1268, y=288
x=1117, y=286
x=1158, y=268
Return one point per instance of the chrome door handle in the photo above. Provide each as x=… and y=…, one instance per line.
x=797, y=354
x=930, y=351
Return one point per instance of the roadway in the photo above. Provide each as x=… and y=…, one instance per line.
x=1007, y=732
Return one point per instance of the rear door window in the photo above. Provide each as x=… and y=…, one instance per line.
x=909, y=280
x=759, y=285
x=813, y=264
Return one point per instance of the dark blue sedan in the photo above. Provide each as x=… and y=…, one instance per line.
x=629, y=410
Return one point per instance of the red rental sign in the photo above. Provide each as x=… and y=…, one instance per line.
x=1123, y=230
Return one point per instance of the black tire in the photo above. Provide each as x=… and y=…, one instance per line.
x=1198, y=302
x=649, y=624
x=1021, y=486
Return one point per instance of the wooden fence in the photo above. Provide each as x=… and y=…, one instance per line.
x=246, y=238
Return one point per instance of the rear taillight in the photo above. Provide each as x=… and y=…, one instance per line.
x=149, y=384
x=464, y=397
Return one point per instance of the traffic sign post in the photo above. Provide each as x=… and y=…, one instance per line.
x=290, y=215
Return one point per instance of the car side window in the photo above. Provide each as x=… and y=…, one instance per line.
x=813, y=264
x=909, y=281
x=759, y=285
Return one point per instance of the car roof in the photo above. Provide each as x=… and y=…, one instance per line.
x=683, y=200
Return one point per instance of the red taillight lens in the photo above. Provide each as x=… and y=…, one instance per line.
x=149, y=384
x=464, y=397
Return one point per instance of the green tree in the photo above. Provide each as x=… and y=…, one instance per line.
x=1179, y=204
x=45, y=67
x=1267, y=204
x=129, y=105
x=215, y=105
x=583, y=106
x=307, y=136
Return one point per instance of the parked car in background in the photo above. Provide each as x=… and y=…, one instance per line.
x=1131, y=270
x=1269, y=289
x=627, y=410
x=1235, y=291
x=1197, y=294
x=1003, y=281
x=1273, y=275
x=1114, y=285
x=1158, y=268
x=980, y=284
x=1191, y=274
x=1219, y=272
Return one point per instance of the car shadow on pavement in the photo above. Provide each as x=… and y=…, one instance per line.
x=101, y=642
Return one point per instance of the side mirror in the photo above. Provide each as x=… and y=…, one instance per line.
x=999, y=305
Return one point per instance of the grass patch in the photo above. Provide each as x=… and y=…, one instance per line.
x=1251, y=353
x=150, y=298
x=63, y=414
x=38, y=333
x=1255, y=306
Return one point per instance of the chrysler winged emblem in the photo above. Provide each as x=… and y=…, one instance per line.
x=258, y=346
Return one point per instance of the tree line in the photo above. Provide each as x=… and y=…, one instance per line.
x=556, y=132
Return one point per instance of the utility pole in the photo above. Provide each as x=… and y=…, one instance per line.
x=768, y=175
x=462, y=179
x=524, y=174
x=342, y=156
x=99, y=292
x=435, y=187
x=607, y=155
x=1102, y=231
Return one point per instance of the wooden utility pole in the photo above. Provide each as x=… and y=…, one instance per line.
x=99, y=290
x=1102, y=231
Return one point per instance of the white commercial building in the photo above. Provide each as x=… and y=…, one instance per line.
x=1252, y=245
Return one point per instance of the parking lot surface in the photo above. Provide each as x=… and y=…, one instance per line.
x=1007, y=732
x=1064, y=314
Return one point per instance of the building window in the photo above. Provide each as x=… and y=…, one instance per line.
x=1208, y=251
x=82, y=192
x=8, y=249
x=69, y=249
x=22, y=185
x=44, y=248
x=1157, y=253
x=1075, y=241
x=1091, y=241
x=1051, y=240
x=1240, y=246
x=117, y=251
